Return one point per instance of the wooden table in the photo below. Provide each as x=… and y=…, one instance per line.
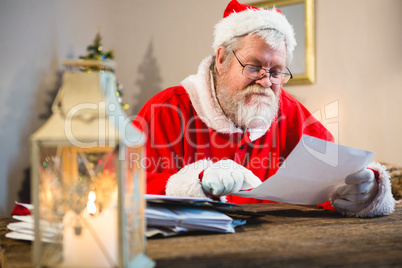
x=286, y=236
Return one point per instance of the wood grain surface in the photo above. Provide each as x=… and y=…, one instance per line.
x=285, y=236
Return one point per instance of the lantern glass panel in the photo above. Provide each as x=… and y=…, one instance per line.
x=78, y=199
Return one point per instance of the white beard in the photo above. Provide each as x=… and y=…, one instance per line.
x=258, y=115
x=253, y=107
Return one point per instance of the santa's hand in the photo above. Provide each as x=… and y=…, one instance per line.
x=226, y=176
x=359, y=190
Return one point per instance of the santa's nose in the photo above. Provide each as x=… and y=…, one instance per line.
x=265, y=81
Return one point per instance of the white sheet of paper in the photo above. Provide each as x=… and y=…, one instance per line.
x=311, y=173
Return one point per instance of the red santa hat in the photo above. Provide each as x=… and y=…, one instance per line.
x=239, y=19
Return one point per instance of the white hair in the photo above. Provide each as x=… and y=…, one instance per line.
x=272, y=37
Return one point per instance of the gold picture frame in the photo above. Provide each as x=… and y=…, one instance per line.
x=297, y=11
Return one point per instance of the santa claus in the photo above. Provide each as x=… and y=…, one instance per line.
x=231, y=125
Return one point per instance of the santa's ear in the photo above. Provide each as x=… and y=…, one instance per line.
x=220, y=58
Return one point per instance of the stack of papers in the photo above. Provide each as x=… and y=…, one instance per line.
x=187, y=214
x=165, y=216
x=189, y=218
x=24, y=229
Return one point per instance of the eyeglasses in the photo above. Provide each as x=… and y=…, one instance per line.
x=257, y=73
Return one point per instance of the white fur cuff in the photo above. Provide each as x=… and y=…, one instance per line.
x=384, y=203
x=186, y=183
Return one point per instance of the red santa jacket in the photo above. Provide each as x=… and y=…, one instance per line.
x=181, y=132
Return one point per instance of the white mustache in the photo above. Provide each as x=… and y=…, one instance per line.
x=257, y=89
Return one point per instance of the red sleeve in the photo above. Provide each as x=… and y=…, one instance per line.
x=161, y=121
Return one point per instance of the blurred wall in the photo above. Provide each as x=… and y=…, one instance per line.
x=159, y=43
x=359, y=69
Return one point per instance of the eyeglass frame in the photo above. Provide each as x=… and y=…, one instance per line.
x=266, y=71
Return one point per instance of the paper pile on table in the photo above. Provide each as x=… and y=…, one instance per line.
x=165, y=216
x=24, y=229
x=186, y=214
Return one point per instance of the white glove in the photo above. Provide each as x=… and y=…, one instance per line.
x=226, y=176
x=359, y=191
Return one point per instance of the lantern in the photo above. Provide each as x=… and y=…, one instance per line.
x=88, y=195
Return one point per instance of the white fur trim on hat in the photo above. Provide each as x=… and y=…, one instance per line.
x=383, y=204
x=250, y=20
x=186, y=183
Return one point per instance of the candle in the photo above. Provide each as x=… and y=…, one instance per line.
x=90, y=240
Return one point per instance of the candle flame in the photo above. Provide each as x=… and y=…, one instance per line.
x=91, y=207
